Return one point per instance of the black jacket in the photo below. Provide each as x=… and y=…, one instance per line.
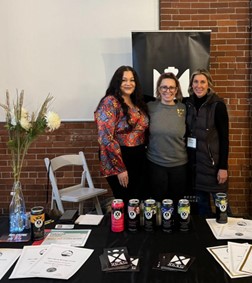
x=205, y=159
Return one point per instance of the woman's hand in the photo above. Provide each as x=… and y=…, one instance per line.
x=123, y=179
x=222, y=176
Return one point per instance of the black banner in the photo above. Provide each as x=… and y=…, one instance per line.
x=180, y=52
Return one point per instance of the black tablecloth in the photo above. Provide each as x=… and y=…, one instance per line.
x=147, y=246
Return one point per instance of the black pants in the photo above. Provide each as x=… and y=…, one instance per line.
x=135, y=161
x=204, y=204
x=167, y=182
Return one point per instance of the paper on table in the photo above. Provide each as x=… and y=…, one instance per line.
x=29, y=255
x=236, y=228
x=239, y=229
x=76, y=238
x=7, y=258
x=214, y=226
x=89, y=219
x=246, y=264
x=221, y=254
x=236, y=253
x=60, y=262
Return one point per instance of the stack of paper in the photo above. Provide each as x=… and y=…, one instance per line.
x=89, y=219
x=75, y=238
x=173, y=262
x=7, y=258
x=235, y=228
x=235, y=258
x=52, y=261
x=118, y=259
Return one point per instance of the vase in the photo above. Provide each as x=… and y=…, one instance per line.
x=17, y=212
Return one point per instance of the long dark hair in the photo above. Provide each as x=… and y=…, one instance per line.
x=114, y=89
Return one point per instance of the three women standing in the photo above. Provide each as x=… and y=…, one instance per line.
x=122, y=121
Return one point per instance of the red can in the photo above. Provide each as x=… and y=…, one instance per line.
x=117, y=215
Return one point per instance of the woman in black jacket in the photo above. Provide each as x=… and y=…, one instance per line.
x=207, y=139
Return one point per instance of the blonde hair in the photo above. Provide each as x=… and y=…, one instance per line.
x=205, y=73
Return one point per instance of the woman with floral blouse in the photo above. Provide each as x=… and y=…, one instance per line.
x=122, y=121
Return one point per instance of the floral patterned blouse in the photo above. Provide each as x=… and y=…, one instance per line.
x=114, y=131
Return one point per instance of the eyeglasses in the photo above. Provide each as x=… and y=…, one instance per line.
x=166, y=88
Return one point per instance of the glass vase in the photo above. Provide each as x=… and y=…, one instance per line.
x=17, y=212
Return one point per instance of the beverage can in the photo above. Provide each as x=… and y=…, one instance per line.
x=221, y=204
x=150, y=210
x=167, y=215
x=37, y=219
x=117, y=215
x=133, y=215
x=184, y=214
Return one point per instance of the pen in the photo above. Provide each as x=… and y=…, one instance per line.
x=49, y=221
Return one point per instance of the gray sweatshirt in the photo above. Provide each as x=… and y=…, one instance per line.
x=167, y=129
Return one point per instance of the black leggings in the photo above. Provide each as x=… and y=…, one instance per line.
x=167, y=182
x=134, y=160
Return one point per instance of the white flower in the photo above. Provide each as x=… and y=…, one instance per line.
x=24, y=120
x=24, y=128
x=24, y=114
x=13, y=118
x=52, y=120
x=25, y=123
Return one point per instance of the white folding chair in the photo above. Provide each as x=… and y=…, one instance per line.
x=77, y=193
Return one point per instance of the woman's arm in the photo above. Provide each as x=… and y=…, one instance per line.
x=106, y=118
x=222, y=126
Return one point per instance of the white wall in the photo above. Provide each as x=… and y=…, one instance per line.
x=69, y=48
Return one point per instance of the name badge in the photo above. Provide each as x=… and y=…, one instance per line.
x=191, y=142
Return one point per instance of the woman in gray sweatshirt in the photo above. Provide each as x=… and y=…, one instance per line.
x=166, y=154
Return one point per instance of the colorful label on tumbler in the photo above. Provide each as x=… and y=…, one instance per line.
x=221, y=204
x=167, y=215
x=184, y=213
x=117, y=216
x=184, y=209
x=133, y=215
x=167, y=209
x=133, y=208
x=37, y=222
x=150, y=210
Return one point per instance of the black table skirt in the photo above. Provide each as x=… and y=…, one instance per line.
x=147, y=246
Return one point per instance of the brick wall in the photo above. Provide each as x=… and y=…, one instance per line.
x=69, y=139
x=230, y=66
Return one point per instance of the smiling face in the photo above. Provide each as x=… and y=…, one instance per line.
x=200, y=85
x=128, y=83
x=168, y=91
